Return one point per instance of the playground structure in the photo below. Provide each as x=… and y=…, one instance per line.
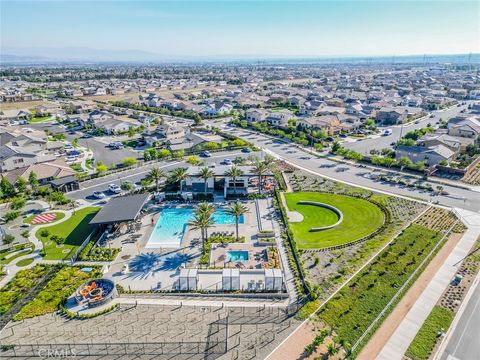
x=95, y=292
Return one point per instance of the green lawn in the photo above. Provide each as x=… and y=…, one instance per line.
x=26, y=251
x=358, y=303
x=75, y=230
x=60, y=215
x=24, y=262
x=426, y=338
x=40, y=119
x=360, y=218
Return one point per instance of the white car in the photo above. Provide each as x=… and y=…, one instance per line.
x=114, y=188
x=98, y=195
x=227, y=162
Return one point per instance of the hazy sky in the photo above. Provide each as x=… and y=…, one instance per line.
x=246, y=28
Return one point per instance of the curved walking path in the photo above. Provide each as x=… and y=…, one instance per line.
x=12, y=269
x=325, y=206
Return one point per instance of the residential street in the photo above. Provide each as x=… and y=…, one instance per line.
x=464, y=342
x=135, y=175
x=457, y=197
x=381, y=142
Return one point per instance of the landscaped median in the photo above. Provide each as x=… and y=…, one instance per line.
x=357, y=305
x=62, y=239
x=439, y=320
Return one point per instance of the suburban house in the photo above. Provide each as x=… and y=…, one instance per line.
x=310, y=107
x=280, y=118
x=13, y=157
x=217, y=108
x=12, y=116
x=46, y=171
x=464, y=127
x=455, y=143
x=108, y=123
x=166, y=133
x=431, y=155
x=190, y=140
x=391, y=116
x=256, y=115
x=329, y=123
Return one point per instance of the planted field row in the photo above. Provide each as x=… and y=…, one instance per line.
x=358, y=304
x=48, y=300
x=19, y=286
x=437, y=219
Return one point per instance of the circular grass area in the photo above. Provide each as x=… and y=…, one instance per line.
x=24, y=262
x=360, y=218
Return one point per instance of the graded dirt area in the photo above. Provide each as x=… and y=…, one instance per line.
x=383, y=334
x=293, y=347
x=23, y=104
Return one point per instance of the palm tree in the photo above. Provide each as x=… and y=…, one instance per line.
x=260, y=168
x=234, y=172
x=155, y=175
x=202, y=221
x=237, y=210
x=205, y=174
x=332, y=349
x=205, y=208
x=268, y=160
x=180, y=175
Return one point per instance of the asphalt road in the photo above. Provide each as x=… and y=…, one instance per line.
x=96, y=145
x=103, y=153
x=136, y=175
x=457, y=197
x=381, y=142
x=464, y=343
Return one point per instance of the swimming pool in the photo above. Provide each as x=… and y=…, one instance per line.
x=171, y=224
x=237, y=255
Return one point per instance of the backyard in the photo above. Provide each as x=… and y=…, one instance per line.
x=360, y=218
x=61, y=239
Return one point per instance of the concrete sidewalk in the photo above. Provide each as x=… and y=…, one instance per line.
x=399, y=342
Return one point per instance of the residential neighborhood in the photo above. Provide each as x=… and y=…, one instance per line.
x=240, y=180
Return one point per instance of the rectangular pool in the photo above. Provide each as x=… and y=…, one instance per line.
x=237, y=255
x=171, y=225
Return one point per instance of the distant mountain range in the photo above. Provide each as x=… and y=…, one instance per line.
x=87, y=55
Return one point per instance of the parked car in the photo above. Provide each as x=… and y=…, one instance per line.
x=114, y=188
x=387, y=132
x=342, y=135
x=98, y=195
x=206, y=154
x=246, y=150
x=329, y=139
x=227, y=162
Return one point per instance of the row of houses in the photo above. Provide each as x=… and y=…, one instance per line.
x=444, y=145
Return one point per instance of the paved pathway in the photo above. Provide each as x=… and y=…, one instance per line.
x=399, y=342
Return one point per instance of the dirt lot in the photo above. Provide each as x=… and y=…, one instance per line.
x=23, y=104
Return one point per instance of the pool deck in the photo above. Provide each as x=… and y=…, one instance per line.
x=218, y=256
x=164, y=270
